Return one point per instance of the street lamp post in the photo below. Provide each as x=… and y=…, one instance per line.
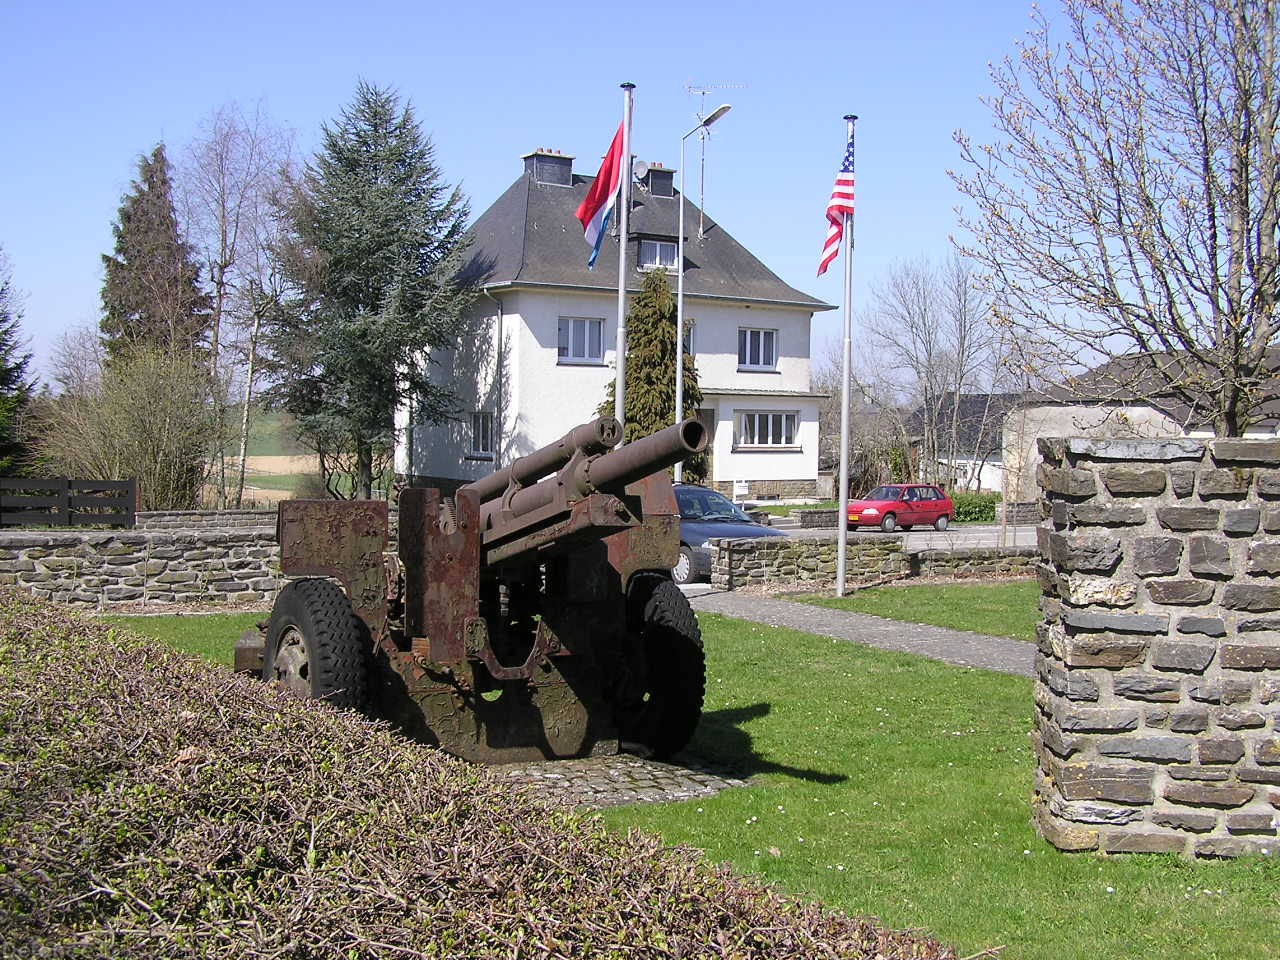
x=716, y=114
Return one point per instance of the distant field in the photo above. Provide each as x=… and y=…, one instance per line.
x=271, y=434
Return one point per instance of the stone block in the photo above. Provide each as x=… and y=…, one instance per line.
x=1182, y=593
x=1195, y=720
x=1065, y=836
x=1088, y=553
x=1237, y=690
x=1071, y=684
x=1267, y=752
x=1268, y=775
x=1264, y=558
x=1052, y=738
x=1185, y=820
x=1106, y=591
x=1066, y=481
x=1245, y=451
x=1224, y=848
x=1240, y=719
x=1118, y=622
x=1182, y=480
x=1241, y=523
x=1269, y=690
x=1119, y=783
x=1220, y=750
x=1090, y=811
x=1257, y=625
x=1144, y=843
x=1153, y=749
x=1268, y=483
x=1188, y=518
x=1251, y=656
x=1194, y=794
x=1124, y=480
x=1225, y=483
x=1209, y=557
x=1185, y=657
x=1073, y=719
x=1051, y=449
x=1251, y=597
x=1173, y=448
x=1271, y=519
x=1156, y=556
x=1141, y=686
x=1195, y=772
x=1205, y=626
x=1098, y=514
x=1251, y=823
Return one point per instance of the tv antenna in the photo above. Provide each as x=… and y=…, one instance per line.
x=702, y=90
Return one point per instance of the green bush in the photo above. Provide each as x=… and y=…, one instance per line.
x=975, y=507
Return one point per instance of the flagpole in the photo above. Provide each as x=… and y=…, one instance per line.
x=620, y=350
x=842, y=518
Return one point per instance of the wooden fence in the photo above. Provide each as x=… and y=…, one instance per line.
x=61, y=502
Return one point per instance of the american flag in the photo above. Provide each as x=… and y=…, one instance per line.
x=841, y=202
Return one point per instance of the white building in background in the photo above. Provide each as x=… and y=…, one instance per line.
x=540, y=355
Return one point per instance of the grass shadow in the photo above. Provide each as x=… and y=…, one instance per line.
x=721, y=746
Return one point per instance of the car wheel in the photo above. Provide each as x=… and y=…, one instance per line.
x=889, y=523
x=941, y=523
x=316, y=645
x=682, y=572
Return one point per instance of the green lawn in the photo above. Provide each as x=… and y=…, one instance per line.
x=786, y=509
x=895, y=786
x=1008, y=609
x=212, y=636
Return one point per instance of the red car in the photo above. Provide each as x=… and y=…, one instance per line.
x=902, y=505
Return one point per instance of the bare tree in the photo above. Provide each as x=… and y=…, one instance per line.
x=1128, y=209
x=231, y=173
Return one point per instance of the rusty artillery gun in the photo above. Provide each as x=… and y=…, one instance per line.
x=530, y=616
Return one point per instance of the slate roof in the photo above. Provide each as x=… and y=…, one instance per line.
x=980, y=423
x=530, y=237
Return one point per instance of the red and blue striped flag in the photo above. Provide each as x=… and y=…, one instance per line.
x=841, y=202
x=594, y=211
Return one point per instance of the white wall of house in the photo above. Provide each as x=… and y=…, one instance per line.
x=541, y=395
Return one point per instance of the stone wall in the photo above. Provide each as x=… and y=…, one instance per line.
x=161, y=566
x=190, y=519
x=770, y=489
x=976, y=562
x=1158, y=677
x=817, y=519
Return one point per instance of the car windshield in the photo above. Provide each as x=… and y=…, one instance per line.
x=699, y=504
x=884, y=493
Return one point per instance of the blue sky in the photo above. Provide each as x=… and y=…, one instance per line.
x=90, y=86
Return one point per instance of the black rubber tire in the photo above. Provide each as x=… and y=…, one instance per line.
x=889, y=523
x=674, y=674
x=335, y=644
x=682, y=572
x=941, y=522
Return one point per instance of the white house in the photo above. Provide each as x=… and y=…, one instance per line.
x=540, y=355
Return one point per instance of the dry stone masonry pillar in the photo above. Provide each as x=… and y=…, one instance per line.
x=1158, y=677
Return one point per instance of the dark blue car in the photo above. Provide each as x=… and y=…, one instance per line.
x=705, y=515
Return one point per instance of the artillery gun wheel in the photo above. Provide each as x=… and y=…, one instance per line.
x=674, y=674
x=316, y=645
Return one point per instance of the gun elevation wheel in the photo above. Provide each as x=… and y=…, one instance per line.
x=316, y=645
x=674, y=674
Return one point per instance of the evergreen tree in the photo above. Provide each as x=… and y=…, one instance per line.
x=151, y=294
x=651, y=363
x=15, y=387
x=374, y=250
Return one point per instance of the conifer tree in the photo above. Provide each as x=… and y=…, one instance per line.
x=651, y=363
x=15, y=387
x=151, y=295
x=375, y=247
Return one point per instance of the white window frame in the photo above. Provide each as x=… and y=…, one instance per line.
x=766, y=429
x=654, y=261
x=565, y=343
x=483, y=436
x=753, y=341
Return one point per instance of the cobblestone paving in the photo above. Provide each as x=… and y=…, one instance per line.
x=596, y=782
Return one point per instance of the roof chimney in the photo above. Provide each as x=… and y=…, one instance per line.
x=549, y=166
x=660, y=181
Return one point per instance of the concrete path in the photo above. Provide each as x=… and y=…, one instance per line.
x=938, y=643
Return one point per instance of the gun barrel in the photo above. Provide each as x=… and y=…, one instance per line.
x=609, y=471
x=599, y=435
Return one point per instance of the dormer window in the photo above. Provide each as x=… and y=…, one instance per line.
x=661, y=182
x=658, y=255
x=549, y=166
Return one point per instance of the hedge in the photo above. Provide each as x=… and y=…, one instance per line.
x=975, y=507
x=155, y=806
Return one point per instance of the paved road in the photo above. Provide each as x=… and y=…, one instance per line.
x=957, y=647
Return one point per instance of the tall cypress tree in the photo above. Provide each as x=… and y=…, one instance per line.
x=151, y=294
x=15, y=386
x=374, y=251
x=651, y=363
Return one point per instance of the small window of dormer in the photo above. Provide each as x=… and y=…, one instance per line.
x=658, y=255
x=549, y=166
x=661, y=182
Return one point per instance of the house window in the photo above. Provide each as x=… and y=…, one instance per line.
x=767, y=428
x=757, y=349
x=581, y=340
x=655, y=254
x=482, y=441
